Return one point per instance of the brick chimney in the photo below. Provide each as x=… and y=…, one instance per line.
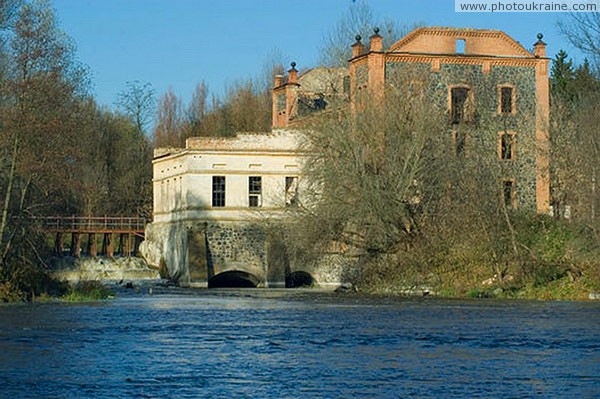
x=376, y=41
x=539, y=48
x=278, y=81
x=293, y=74
x=284, y=98
x=357, y=48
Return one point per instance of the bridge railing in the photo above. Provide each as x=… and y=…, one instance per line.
x=91, y=224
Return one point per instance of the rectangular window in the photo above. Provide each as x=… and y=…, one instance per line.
x=506, y=100
x=460, y=140
x=254, y=191
x=507, y=146
x=291, y=190
x=509, y=193
x=459, y=97
x=460, y=46
x=218, y=191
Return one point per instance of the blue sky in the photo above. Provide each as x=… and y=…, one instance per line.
x=179, y=43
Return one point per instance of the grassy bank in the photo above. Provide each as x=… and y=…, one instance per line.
x=38, y=285
x=551, y=260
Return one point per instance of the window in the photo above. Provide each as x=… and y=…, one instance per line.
x=506, y=146
x=346, y=84
x=459, y=104
x=291, y=190
x=460, y=46
x=506, y=99
x=254, y=191
x=218, y=191
x=509, y=193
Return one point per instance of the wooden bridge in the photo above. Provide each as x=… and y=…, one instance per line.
x=86, y=231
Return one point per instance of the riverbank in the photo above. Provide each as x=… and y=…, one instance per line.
x=479, y=284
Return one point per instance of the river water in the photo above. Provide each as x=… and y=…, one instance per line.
x=296, y=344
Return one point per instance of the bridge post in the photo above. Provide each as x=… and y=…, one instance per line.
x=92, y=248
x=108, y=245
x=127, y=245
x=75, y=245
x=136, y=244
x=58, y=244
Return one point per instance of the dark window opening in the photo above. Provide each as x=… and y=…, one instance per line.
x=506, y=100
x=254, y=191
x=507, y=142
x=291, y=190
x=458, y=104
x=218, y=191
x=319, y=104
x=346, y=84
x=508, y=187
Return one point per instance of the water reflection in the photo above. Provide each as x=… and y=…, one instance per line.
x=298, y=344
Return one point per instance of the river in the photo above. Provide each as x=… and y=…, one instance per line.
x=257, y=343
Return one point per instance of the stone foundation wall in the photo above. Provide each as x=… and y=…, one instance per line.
x=191, y=253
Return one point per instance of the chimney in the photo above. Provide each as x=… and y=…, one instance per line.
x=539, y=48
x=357, y=48
x=278, y=81
x=376, y=41
x=292, y=74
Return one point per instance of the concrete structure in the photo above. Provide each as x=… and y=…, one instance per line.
x=210, y=197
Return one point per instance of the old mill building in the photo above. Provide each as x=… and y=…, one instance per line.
x=210, y=196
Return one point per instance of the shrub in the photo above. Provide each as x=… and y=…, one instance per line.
x=86, y=291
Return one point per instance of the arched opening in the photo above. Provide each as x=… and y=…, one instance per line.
x=299, y=279
x=233, y=279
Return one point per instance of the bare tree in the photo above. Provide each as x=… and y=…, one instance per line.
x=169, y=129
x=583, y=31
x=359, y=19
x=138, y=102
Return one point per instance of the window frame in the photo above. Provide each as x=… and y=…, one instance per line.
x=468, y=106
x=513, y=145
x=512, y=201
x=291, y=191
x=254, y=191
x=219, y=191
x=513, y=99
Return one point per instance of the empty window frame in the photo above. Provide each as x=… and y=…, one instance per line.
x=460, y=46
x=507, y=145
x=254, y=191
x=506, y=99
x=461, y=99
x=509, y=193
x=291, y=190
x=218, y=191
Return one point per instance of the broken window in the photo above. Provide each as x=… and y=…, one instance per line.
x=254, y=191
x=507, y=145
x=506, y=100
x=291, y=190
x=459, y=98
x=509, y=193
x=218, y=191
